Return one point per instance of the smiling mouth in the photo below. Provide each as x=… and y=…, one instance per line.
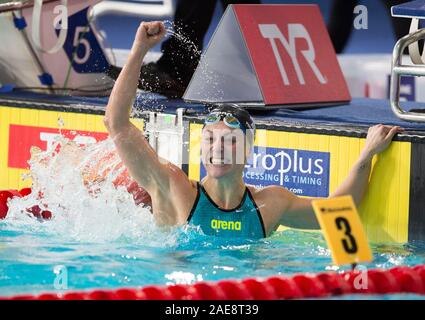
x=216, y=161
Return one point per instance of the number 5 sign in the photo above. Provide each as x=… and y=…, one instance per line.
x=81, y=45
x=343, y=230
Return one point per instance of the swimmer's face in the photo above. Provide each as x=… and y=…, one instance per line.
x=223, y=150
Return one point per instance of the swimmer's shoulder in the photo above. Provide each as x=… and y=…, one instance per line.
x=269, y=192
x=272, y=202
x=276, y=197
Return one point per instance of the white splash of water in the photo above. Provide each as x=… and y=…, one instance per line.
x=180, y=277
x=76, y=184
x=85, y=207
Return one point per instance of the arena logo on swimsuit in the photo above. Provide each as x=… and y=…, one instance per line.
x=303, y=172
x=226, y=225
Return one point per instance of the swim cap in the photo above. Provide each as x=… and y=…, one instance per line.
x=242, y=115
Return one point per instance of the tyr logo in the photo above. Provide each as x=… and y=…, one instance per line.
x=295, y=30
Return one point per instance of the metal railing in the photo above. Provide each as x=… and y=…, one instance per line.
x=166, y=134
x=154, y=8
x=398, y=69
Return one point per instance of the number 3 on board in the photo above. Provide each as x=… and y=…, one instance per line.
x=343, y=230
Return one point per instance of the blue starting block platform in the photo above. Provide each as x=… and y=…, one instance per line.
x=413, y=9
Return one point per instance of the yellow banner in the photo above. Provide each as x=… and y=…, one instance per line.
x=23, y=128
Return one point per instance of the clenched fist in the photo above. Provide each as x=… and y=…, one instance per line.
x=149, y=34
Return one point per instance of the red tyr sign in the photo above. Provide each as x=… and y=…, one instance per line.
x=292, y=54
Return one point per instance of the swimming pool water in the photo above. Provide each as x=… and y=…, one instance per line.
x=99, y=238
x=28, y=259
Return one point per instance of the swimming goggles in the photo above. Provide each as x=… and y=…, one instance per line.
x=229, y=120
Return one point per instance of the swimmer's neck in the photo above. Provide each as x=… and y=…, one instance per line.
x=225, y=192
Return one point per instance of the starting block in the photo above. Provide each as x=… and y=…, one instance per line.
x=269, y=56
x=414, y=10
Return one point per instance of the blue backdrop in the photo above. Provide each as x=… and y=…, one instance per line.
x=378, y=38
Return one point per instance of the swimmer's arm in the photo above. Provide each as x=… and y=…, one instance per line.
x=300, y=214
x=285, y=208
x=138, y=156
x=117, y=116
x=378, y=139
x=357, y=180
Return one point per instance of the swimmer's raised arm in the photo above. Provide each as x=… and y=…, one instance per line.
x=117, y=114
x=158, y=177
x=300, y=213
x=136, y=153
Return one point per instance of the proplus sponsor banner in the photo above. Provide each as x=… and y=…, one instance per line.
x=22, y=138
x=303, y=172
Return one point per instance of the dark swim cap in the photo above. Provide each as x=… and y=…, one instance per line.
x=242, y=115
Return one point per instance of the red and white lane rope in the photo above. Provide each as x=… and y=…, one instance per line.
x=396, y=280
